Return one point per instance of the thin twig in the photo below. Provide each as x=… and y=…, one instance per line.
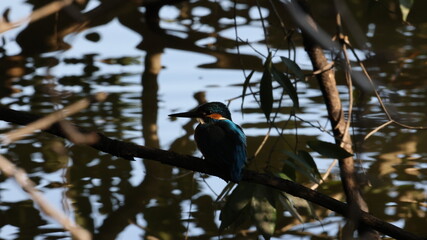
x=267, y=135
x=377, y=95
x=378, y=128
x=252, y=47
x=326, y=68
x=350, y=92
x=325, y=175
x=319, y=127
x=21, y=177
x=264, y=28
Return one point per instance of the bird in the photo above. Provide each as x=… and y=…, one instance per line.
x=219, y=139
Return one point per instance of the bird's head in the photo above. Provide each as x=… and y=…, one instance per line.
x=206, y=112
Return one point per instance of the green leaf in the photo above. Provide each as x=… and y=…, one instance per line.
x=330, y=150
x=302, y=166
x=289, y=171
x=244, y=217
x=405, y=7
x=290, y=163
x=293, y=66
x=288, y=205
x=287, y=85
x=236, y=203
x=306, y=157
x=263, y=206
x=283, y=176
x=266, y=89
x=245, y=86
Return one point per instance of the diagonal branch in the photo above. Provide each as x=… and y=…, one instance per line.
x=47, y=121
x=131, y=150
x=21, y=177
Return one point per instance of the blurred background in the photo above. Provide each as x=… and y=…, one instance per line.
x=153, y=60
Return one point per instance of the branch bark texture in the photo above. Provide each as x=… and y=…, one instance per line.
x=328, y=87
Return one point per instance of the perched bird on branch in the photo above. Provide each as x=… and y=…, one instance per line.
x=220, y=140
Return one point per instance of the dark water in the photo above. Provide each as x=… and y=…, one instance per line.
x=150, y=72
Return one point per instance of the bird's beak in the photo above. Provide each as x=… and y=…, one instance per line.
x=191, y=114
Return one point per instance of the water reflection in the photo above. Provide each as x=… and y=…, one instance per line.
x=96, y=189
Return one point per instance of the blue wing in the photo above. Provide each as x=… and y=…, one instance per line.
x=224, y=143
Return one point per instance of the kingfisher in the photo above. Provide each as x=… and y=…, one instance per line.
x=220, y=140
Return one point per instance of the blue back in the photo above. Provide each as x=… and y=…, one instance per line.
x=222, y=141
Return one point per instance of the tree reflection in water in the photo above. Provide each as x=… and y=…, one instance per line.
x=97, y=190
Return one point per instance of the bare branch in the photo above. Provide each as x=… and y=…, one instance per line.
x=377, y=95
x=377, y=129
x=131, y=150
x=326, y=68
x=40, y=13
x=21, y=177
x=45, y=122
x=325, y=175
